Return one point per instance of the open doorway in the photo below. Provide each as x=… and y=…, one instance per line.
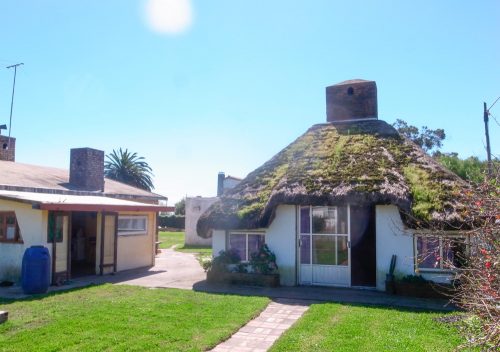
x=83, y=243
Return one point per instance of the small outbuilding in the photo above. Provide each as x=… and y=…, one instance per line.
x=90, y=224
x=342, y=199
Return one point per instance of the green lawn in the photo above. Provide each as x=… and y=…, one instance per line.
x=337, y=327
x=170, y=239
x=124, y=318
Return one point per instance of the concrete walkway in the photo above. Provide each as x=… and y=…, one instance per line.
x=259, y=334
x=172, y=269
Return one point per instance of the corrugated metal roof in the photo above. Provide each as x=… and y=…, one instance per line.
x=77, y=202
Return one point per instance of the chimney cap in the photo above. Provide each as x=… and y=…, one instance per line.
x=352, y=81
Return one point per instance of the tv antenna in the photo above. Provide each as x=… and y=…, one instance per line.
x=12, y=100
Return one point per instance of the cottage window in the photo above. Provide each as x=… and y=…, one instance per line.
x=439, y=253
x=9, y=228
x=132, y=225
x=55, y=227
x=245, y=244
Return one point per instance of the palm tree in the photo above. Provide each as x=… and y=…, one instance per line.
x=129, y=168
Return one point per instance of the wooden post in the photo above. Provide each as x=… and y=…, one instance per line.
x=101, y=259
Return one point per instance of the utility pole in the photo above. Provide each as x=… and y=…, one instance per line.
x=487, y=132
x=12, y=100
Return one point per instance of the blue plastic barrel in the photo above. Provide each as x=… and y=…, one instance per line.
x=35, y=276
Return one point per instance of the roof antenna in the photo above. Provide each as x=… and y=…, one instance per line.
x=12, y=100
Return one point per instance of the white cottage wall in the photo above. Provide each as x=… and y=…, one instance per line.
x=281, y=239
x=33, y=230
x=392, y=238
x=218, y=242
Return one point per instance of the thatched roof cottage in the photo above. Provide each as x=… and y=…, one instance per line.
x=339, y=201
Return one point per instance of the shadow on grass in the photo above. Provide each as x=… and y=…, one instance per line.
x=37, y=297
x=323, y=295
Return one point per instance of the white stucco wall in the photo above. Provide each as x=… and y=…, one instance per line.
x=281, y=239
x=195, y=206
x=218, y=242
x=33, y=230
x=392, y=238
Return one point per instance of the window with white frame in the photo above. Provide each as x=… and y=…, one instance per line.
x=440, y=253
x=129, y=225
x=246, y=243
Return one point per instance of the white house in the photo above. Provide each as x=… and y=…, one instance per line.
x=341, y=200
x=195, y=206
x=90, y=224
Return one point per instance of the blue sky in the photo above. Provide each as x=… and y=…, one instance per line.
x=198, y=87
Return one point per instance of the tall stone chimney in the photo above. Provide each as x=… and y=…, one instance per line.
x=351, y=100
x=7, y=152
x=86, y=169
x=220, y=183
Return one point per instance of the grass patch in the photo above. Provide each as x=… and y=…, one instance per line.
x=169, y=239
x=337, y=327
x=124, y=318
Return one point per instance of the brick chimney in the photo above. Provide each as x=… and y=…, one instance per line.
x=86, y=170
x=351, y=100
x=7, y=152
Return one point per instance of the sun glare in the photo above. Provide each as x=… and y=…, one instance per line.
x=169, y=16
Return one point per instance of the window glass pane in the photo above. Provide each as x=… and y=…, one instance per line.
x=11, y=220
x=428, y=252
x=323, y=250
x=324, y=220
x=453, y=252
x=342, y=227
x=237, y=242
x=254, y=244
x=11, y=232
x=59, y=228
x=305, y=220
x=342, y=251
x=305, y=249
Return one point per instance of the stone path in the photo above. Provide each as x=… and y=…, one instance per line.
x=259, y=334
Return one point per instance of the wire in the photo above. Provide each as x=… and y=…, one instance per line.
x=494, y=118
x=493, y=104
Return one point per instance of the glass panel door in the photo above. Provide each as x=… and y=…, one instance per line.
x=324, y=253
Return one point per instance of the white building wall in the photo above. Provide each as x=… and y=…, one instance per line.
x=195, y=206
x=392, y=238
x=218, y=242
x=33, y=227
x=281, y=239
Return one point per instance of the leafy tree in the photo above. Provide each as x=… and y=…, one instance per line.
x=470, y=169
x=129, y=168
x=426, y=138
x=180, y=207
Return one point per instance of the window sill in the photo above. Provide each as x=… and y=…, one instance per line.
x=435, y=271
x=128, y=234
x=11, y=242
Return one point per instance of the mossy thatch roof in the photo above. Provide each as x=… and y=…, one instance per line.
x=364, y=162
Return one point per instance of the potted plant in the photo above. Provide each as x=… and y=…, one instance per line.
x=262, y=269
